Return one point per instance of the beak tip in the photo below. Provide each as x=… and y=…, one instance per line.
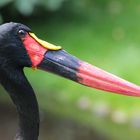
x=97, y=78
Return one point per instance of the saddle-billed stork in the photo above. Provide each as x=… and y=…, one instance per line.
x=19, y=48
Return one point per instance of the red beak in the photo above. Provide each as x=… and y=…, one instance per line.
x=52, y=58
x=66, y=65
x=100, y=79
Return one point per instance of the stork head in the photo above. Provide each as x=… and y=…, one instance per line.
x=20, y=47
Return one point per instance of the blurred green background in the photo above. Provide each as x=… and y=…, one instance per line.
x=105, y=33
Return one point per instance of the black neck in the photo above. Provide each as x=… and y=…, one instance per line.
x=22, y=94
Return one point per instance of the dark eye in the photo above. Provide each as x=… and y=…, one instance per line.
x=22, y=33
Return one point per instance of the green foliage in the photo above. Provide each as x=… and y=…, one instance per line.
x=52, y=4
x=4, y=2
x=27, y=7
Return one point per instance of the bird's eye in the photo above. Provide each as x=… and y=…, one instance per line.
x=22, y=33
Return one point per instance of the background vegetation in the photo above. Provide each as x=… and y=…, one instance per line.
x=105, y=33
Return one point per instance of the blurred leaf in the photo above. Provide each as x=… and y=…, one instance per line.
x=53, y=4
x=26, y=7
x=4, y=2
x=1, y=20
